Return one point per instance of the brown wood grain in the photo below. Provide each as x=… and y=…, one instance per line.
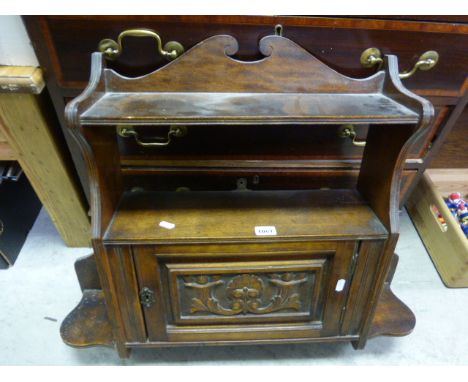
x=365, y=272
x=338, y=242
x=86, y=272
x=126, y=287
x=453, y=152
x=280, y=291
x=392, y=316
x=217, y=108
x=316, y=146
x=199, y=216
x=158, y=264
x=6, y=152
x=337, y=41
x=346, y=39
x=88, y=324
x=241, y=92
x=29, y=128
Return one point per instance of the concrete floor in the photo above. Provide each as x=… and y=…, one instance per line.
x=43, y=284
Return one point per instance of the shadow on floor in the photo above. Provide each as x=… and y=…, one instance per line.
x=223, y=355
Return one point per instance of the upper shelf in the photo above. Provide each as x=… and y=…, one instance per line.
x=207, y=86
x=242, y=108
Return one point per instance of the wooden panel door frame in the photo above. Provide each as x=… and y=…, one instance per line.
x=149, y=260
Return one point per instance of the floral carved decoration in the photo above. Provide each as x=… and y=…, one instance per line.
x=245, y=293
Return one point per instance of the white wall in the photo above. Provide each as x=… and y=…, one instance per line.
x=15, y=47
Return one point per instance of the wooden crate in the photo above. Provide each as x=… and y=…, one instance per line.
x=447, y=245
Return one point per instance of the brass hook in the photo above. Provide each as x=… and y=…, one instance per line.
x=278, y=30
x=347, y=131
x=372, y=56
x=426, y=61
x=174, y=131
x=112, y=49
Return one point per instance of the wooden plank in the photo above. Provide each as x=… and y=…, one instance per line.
x=233, y=215
x=27, y=129
x=6, y=152
x=21, y=79
x=2, y=136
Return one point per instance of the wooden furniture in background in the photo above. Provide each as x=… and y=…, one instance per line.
x=28, y=133
x=214, y=265
x=452, y=152
x=318, y=157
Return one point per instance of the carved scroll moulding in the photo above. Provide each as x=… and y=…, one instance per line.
x=246, y=294
x=285, y=67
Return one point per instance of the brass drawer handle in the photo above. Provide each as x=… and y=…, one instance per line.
x=372, y=57
x=347, y=131
x=112, y=49
x=426, y=61
x=174, y=131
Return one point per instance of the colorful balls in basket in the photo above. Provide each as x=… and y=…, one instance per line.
x=459, y=209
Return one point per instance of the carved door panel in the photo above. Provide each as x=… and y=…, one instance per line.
x=238, y=292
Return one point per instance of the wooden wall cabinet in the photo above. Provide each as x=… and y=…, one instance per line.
x=213, y=265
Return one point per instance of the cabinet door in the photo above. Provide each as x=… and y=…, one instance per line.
x=244, y=292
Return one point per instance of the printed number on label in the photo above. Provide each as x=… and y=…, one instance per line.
x=265, y=231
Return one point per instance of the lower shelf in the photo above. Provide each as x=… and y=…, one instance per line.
x=88, y=324
x=392, y=317
x=227, y=216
